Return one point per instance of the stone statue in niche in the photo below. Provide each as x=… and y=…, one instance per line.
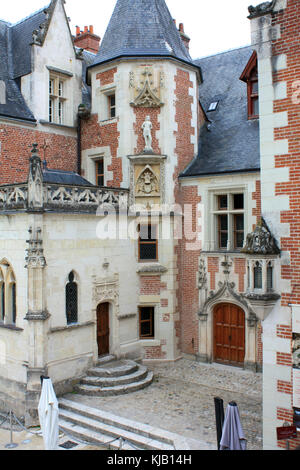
x=147, y=183
x=147, y=128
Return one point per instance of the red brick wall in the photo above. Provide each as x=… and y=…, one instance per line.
x=59, y=151
x=140, y=114
x=288, y=44
x=106, y=135
x=187, y=258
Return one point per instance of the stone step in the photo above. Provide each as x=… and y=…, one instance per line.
x=114, y=369
x=90, y=424
x=96, y=390
x=106, y=358
x=136, y=376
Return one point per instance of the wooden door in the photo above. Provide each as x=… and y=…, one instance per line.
x=103, y=329
x=229, y=334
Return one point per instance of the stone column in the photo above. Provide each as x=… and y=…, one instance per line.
x=37, y=317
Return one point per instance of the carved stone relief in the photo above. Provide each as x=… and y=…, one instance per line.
x=147, y=183
x=147, y=93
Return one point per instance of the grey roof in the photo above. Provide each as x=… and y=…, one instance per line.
x=64, y=177
x=141, y=28
x=15, y=60
x=15, y=106
x=230, y=142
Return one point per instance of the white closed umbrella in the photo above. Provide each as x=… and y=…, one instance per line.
x=48, y=415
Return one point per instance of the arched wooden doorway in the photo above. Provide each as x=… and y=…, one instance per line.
x=103, y=329
x=229, y=334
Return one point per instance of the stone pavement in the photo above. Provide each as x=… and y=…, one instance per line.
x=181, y=400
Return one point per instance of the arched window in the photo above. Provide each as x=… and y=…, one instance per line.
x=11, y=298
x=269, y=277
x=258, y=276
x=72, y=300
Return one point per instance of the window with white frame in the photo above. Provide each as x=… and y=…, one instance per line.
x=229, y=220
x=57, y=99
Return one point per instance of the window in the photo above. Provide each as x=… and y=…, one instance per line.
x=229, y=215
x=213, y=106
x=148, y=249
x=8, y=294
x=253, y=100
x=258, y=284
x=57, y=99
x=71, y=300
x=100, y=172
x=112, y=106
x=146, y=322
x=250, y=77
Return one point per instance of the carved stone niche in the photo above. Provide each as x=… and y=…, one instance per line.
x=147, y=181
x=261, y=250
x=146, y=94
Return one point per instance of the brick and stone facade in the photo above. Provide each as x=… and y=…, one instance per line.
x=275, y=34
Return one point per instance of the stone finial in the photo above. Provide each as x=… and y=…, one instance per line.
x=261, y=241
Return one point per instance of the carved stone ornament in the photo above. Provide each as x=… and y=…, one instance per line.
x=107, y=290
x=202, y=275
x=227, y=291
x=147, y=97
x=261, y=9
x=35, y=253
x=261, y=241
x=147, y=183
x=35, y=181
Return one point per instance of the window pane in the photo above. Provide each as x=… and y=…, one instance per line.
x=14, y=303
x=255, y=106
x=238, y=201
x=254, y=87
x=71, y=303
x=148, y=233
x=222, y=202
x=258, y=277
x=2, y=301
x=148, y=251
x=223, y=222
x=239, y=222
x=269, y=278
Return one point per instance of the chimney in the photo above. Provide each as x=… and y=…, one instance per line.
x=87, y=39
x=185, y=39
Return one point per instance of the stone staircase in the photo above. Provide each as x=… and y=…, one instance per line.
x=98, y=427
x=114, y=377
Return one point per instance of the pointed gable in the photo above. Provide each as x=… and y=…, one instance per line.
x=141, y=28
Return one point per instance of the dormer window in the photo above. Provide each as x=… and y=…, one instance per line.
x=250, y=76
x=213, y=106
x=57, y=99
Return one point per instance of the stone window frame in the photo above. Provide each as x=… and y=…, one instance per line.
x=75, y=281
x=9, y=315
x=215, y=212
x=264, y=263
x=58, y=99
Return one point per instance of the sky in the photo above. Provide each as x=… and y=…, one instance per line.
x=213, y=25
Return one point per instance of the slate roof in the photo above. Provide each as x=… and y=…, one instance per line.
x=141, y=28
x=232, y=143
x=15, y=62
x=64, y=177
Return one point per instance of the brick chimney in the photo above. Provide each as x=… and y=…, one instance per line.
x=185, y=39
x=86, y=39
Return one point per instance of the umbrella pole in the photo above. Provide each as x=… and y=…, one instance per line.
x=219, y=411
x=11, y=445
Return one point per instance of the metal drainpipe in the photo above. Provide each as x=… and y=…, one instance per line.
x=79, y=144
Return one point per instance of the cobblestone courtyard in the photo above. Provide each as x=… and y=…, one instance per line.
x=181, y=400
